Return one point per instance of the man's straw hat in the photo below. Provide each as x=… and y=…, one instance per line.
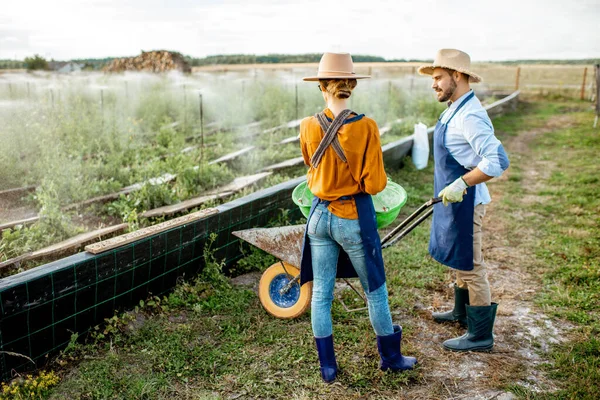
x=452, y=59
x=335, y=66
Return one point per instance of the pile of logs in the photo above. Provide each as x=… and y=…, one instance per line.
x=151, y=61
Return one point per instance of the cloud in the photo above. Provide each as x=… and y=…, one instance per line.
x=509, y=29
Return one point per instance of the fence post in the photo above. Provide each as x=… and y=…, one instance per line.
x=597, y=94
x=583, y=84
x=184, y=109
x=296, y=101
x=518, y=75
x=201, y=129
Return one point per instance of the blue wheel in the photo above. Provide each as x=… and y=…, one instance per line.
x=286, y=304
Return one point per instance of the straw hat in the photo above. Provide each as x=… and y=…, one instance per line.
x=451, y=59
x=335, y=66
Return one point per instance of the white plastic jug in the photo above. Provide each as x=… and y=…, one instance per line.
x=420, y=148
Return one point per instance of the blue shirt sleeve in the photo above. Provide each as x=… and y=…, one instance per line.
x=479, y=132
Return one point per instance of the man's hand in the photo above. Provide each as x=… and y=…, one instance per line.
x=453, y=193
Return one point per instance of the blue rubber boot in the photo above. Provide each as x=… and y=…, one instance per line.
x=391, y=354
x=326, y=358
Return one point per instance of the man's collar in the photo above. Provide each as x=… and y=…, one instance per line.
x=454, y=104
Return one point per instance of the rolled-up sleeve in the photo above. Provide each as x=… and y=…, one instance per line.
x=479, y=132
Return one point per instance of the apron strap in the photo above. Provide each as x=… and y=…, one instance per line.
x=469, y=97
x=330, y=138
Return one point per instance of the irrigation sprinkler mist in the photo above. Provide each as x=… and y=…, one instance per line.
x=102, y=109
x=296, y=101
x=201, y=128
x=184, y=110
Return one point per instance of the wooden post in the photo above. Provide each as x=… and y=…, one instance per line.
x=201, y=129
x=518, y=75
x=102, y=108
x=583, y=84
x=184, y=110
x=296, y=101
x=597, y=94
x=412, y=78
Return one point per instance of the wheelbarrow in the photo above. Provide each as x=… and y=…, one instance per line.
x=279, y=289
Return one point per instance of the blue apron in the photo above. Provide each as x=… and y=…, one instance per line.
x=451, y=241
x=371, y=246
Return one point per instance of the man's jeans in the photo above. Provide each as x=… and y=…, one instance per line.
x=327, y=232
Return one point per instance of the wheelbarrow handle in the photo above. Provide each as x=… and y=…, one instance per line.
x=417, y=216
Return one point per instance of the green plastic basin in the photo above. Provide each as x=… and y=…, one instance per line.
x=387, y=203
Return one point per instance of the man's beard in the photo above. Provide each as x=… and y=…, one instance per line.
x=447, y=94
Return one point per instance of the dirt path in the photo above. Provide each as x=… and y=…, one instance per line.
x=522, y=331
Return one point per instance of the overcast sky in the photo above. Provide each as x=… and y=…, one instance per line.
x=488, y=30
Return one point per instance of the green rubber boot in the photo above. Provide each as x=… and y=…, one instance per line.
x=479, y=336
x=459, y=313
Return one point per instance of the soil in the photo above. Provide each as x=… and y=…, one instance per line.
x=13, y=208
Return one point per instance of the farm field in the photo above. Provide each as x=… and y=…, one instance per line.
x=93, y=151
x=211, y=339
x=96, y=150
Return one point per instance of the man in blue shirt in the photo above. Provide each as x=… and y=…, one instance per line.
x=466, y=154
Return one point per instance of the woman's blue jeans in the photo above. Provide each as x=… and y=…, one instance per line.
x=328, y=233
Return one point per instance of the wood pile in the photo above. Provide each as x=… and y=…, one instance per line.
x=151, y=61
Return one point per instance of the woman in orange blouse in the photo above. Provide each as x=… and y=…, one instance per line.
x=343, y=152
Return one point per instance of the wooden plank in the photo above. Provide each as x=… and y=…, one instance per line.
x=26, y=221
x=16, y=261
x=293, y=162
x=231, y=156
x=77, y=240
x=100, y=199
x=251, y=125
x=240, y=183
x=388, y=127
x=219, y=193
x=126, y=190
x=289, y=125
x=122, y=240
x=64, y=245
x=14, y=191
x=184, y=205
x=291, y=139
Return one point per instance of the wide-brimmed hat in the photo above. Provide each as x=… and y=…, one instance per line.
x=452, y=59
x=336, y=66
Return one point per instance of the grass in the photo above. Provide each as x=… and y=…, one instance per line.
x=567, y=246
x=211, y=340
x=209, y=337
x=209, y=343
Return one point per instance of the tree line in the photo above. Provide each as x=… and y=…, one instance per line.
x=38, y=62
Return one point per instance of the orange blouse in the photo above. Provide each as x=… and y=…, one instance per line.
x=364, y=171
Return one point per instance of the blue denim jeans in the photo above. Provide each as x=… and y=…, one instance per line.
x=328, y=233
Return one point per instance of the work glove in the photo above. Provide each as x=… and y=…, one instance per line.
x=453, y=193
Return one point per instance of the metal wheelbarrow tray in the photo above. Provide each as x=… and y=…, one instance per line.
x=279, y=289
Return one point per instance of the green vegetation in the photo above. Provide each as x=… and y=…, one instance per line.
x=209, y=339
x=36, y=62
x=97, y=135
x=567, y=238
x=11, y=64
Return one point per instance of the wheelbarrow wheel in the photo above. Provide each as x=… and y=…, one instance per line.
x=290, y=304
